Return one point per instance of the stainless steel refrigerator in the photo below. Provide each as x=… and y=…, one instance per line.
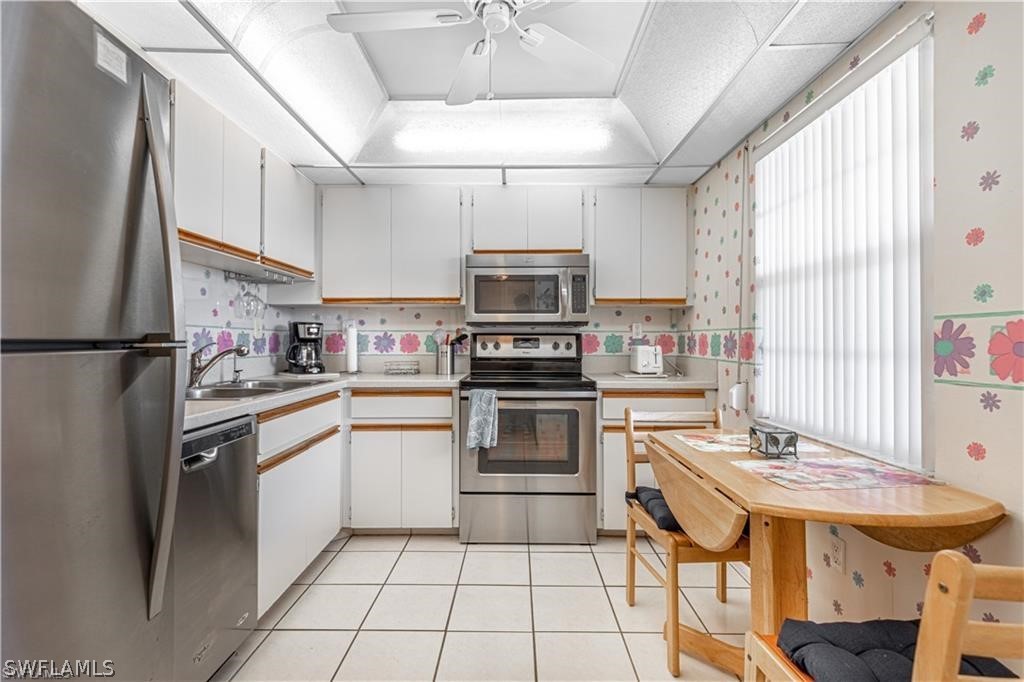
x=93, y=347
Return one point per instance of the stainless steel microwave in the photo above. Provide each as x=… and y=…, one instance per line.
x=528, y=289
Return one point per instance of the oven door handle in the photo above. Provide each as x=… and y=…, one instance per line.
x=539, y=395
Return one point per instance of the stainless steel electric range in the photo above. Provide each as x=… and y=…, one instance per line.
x=539, y=483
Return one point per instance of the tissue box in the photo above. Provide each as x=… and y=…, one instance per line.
x=773, y=442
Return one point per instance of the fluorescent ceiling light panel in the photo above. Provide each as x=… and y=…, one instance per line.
x=517, y=132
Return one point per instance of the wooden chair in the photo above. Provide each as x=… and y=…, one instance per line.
x=713, y=528
x=945, y=634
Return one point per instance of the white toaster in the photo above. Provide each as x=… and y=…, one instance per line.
x=646, y=360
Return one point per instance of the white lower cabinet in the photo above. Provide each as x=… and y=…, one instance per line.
x=299, y=514
x=613, y=493
x=376, y=479
x=402, y=477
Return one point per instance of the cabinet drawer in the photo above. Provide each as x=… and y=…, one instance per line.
x=614, y=403
x=288, y=425
x=372, y=404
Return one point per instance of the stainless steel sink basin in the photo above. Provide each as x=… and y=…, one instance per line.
x=236, y=392
x=276, y=384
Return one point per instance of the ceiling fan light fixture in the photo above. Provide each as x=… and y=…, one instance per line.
x=496, y=16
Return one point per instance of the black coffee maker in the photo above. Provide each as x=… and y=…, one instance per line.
x=306, y=349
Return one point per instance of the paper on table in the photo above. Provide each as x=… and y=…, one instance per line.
x=839, y=473
x=713, y=442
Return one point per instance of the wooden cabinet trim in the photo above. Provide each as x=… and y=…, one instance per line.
x=292, y=408
x=217, y=245
x=334, y=300
x=402, y=427
x=400, y=393
x=534, y=251
x=287, y=267
x=686, y=393
x=280, y=458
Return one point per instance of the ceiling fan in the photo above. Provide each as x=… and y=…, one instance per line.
x=472, y=77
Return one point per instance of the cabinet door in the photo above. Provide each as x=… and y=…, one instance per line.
x=357, y=242
x=617, y=236
x=242, y=187
x=281, y=538
x=555, y=218
x=500, y=219
x=322, y=472
x=426, y=479
x=198, y=141
x=288, y=218
x=663, y=261
x=613, y=459
x=425, y=242
x=376, y=479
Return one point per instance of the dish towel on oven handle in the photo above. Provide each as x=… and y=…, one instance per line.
x=482, y=431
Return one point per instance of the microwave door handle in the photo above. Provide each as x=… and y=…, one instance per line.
x=563, y=281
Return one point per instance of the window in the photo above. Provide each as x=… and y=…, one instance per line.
x=841, y=210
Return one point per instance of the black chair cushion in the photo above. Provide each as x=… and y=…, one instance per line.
x=654, y=502
x=873, y=651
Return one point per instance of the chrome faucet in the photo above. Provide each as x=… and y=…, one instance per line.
x=198, y=369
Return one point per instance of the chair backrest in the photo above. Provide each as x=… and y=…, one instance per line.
x=639, y=424
x=947, y=633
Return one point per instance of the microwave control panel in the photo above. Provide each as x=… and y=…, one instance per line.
x=579, y=294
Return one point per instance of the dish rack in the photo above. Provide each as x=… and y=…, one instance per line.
x=402, y=367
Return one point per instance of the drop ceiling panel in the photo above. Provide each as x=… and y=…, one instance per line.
x=832, y=22
x=679, y=175
x=511, y=132
x=430, y=176
x=578, y=176
x=769, y=81
x=220, y=80
x=322, y=74
x=327, y=175
x=420, y=63
x=690, y=51
x=164, y=23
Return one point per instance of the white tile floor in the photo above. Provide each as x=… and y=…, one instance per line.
x=427, y=608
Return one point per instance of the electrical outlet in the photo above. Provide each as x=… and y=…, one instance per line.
x=837, y=553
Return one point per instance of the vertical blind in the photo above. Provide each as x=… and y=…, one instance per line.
x=839, y=229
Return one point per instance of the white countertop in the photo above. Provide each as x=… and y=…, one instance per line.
x=615, y=382
x=200, y=413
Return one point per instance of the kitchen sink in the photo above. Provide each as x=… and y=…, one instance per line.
x=235, y=392
x=276, y=384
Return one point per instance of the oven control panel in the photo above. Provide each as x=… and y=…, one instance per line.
x=525, y=345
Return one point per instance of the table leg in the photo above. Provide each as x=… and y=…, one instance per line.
x=778, y=572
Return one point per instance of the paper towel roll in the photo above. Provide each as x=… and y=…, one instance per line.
x=351, y=349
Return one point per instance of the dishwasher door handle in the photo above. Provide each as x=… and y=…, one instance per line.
x=200, y=460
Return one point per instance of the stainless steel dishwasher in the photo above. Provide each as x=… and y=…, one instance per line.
x=215, y=547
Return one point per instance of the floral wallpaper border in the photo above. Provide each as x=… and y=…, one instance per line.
x=984, y=350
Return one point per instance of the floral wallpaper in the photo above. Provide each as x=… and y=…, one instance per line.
x=227, y=312
x=976, y=428
x=416, y=331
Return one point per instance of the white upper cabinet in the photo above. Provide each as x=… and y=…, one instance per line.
x=242, y=187
x=198, y=141
x=535, y=218
x=356, y=242
x=288, y=216
x=663, y=260
x=500, y=219
x=640, y=245
x=617, y=245
x=426, y=258
x=555, y=218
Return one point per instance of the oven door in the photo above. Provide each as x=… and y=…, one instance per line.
x=503, y=295
x=546, y=444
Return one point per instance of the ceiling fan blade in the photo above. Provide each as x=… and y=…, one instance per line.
x=362, y=22
x=542, y=7
x=471, y=78
x=560, y=50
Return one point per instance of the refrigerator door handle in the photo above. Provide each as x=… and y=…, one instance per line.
x=176, y=321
